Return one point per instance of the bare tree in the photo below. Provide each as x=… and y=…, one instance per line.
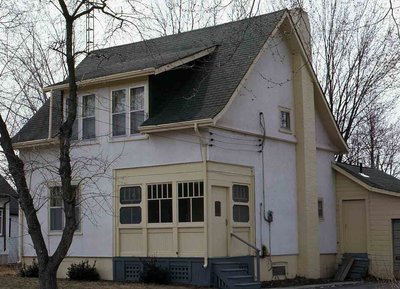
x=71, y=12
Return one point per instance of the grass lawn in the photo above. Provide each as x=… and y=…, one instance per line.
x=10, y=280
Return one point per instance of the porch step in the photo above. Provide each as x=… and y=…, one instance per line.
x=357, y=266
x=233, y=275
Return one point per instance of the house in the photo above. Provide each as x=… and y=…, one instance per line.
x=368, y=219
x=193, y=149
x=9, y=224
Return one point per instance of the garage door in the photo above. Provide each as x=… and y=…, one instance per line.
x=354, y=227
x=396, y=247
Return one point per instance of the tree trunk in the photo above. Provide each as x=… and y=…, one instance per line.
x=48, y=279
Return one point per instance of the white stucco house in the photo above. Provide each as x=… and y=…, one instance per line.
x=188, y=147
x=9, y=224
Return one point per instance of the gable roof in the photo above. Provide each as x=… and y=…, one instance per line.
x=217, y=60
x=372, y=177
x=6, y=191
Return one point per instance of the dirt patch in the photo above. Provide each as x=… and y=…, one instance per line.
x=9, y=270
x=298, y=281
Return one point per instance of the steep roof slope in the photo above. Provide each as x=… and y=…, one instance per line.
x=236, y=46
x=373, y=177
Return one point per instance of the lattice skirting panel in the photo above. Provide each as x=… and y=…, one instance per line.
x=183, y=270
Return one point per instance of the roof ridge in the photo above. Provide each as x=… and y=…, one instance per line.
x=189, y=31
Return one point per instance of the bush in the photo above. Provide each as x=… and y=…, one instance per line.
x=30, y=271
x=152, y=273
x=83, y=271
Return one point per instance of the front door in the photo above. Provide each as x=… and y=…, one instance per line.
x=219, y=222
x=354, y=226
x=396, y=248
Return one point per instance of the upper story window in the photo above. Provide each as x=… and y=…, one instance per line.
x=128, y=110
x=88, y=116
x=285, y=119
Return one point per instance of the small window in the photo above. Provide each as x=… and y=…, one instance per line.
x=321, y=209
x=285, y=119
x=240, y=197
x=278, y=270
x=217, y=208
x=88, y=116
x=57, y=221
x=159, y=203
x=119, y=112
x=131, y=195
x=241, y=213
x=191, y=202
x=240, y=193
x=130, y=215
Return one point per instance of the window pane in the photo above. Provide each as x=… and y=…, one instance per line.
x=153, y=211
x=184, y=210
x=240, y=193
x=217, y=208
x=118, y=101
x=137, y=118
x=130, y=215
x=166, y=211
x=197, y=210
x=88, y=105
x=56, y=219
x=88, y=128
x=240, y=213
x=119, y=124
x=55, y=197
x=131, y=195
x=137, y=98
x=74, y=135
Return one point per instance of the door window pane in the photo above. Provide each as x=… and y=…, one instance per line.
x=241, y=213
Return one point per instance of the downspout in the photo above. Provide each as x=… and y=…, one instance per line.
x=203, y=150
x=4, y=225
x=50, y=114
x=21, y=239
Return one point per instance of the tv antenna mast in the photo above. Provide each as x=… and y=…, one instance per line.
x=89, y=27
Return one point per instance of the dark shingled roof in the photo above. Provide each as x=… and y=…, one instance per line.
x=6, y=191
x=376, y=178
x=236, y=46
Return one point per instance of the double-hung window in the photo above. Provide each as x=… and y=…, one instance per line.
x=130, y=199
x=88, y=116
x=159, y=203
x=191, y=202
x=57, y=221
x=128, y=110
x=240, y=196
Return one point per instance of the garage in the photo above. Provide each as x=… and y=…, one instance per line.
x=368, y=217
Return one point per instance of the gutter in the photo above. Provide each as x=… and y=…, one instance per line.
x=102, y=79
x=176, y=125
x=39, y=142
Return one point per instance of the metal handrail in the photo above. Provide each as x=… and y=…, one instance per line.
x=257, y=252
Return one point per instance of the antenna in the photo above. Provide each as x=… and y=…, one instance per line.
x=89, y=27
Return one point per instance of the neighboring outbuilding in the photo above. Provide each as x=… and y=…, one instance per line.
x=9, y=225
x=368, y=217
